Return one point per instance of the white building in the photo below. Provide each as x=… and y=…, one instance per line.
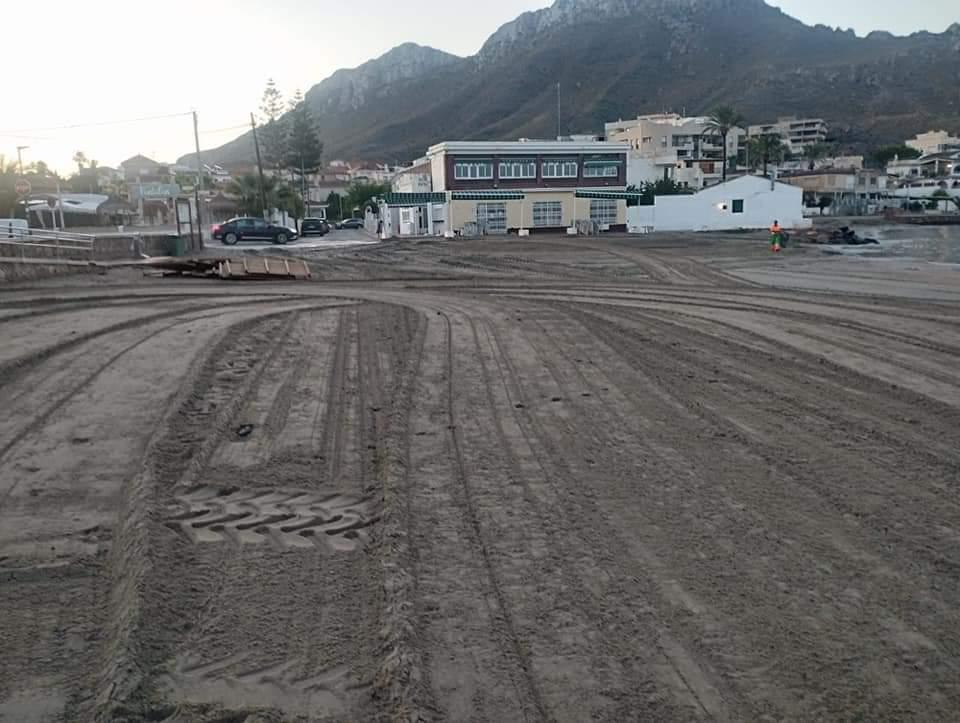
x=748, y=202
x=415, y=179
x=797, y=133
x=372, y=174
x=934, y=142
x=934, y=165
x=669, y=146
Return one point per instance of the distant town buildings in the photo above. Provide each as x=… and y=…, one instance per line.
x=850, y=191
x=670, y=146
x=934, y=142
x=797, y=133
x=414, y=179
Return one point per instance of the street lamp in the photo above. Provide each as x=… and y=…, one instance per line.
x=20, y=157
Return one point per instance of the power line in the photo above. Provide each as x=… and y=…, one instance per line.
x=224, y=130
x=93, y=124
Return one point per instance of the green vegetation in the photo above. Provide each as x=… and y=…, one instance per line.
x=278, y=194
x=815, y=152
x=359, y=196
x=723, y=120
x=883, y=156
x=649, y=190
x=335, y=206
x=763, y=149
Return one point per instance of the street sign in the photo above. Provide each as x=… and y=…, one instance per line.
x=22, y=187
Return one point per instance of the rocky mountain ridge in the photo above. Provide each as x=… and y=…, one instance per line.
x=617, y=58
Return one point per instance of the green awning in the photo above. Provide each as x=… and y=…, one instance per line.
x=616, y=195
x=488, y=196
x=611, y=162
x=413, y=199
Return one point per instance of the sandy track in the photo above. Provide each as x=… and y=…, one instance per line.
x=559, y=480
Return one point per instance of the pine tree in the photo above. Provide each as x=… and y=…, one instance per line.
x=273, y=134
x=304, y=149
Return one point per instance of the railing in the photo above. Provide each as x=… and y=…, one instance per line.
x=35, y=243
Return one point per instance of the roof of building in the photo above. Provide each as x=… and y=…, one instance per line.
x=825, y=172
x=528, y=147
x=139, y=160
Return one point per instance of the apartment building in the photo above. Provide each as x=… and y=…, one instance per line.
x=934, y=142
x=670, y=146
x=492, y=187
x=797, y=133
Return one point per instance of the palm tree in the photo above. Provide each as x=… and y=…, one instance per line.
x=815, y=152
x=765, y=148
x=279, y=195
x=246, y=189
x=723, y=120
x=80, y=158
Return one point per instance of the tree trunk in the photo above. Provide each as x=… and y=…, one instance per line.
x=724, y=141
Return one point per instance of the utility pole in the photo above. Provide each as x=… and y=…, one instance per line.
x=256, y=146
x=558, y=111
x=198, y=186
x=20, y=158
x=303, y=186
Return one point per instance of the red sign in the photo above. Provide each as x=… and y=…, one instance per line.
x=22, y=187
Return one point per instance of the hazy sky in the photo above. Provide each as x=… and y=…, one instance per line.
x=107, y=60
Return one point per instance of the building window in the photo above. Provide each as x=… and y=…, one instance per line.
x=738, y=205
x=559, y=169
x=599, y=170
x=603, y=211
x=492, y=217
x=472, y=170
x=547, y=213
x=518, y=169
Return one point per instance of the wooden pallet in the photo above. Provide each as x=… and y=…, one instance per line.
x=263, y=267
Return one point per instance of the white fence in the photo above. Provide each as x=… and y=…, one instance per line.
x=18, y=241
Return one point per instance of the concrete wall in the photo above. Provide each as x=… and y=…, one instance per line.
x=712, y=209
x=32, y=269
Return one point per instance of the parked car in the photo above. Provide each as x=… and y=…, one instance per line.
x=317, y=226
x=252, y=229
x=351, y=223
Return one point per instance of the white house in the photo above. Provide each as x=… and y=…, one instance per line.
x=748, y=202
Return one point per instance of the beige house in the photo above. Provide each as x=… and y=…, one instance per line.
x=934, y=142
x=851, y=191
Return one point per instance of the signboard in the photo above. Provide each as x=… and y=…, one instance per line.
x=22, y=187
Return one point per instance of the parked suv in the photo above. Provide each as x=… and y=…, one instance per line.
x=318, y=226
x=252, y=229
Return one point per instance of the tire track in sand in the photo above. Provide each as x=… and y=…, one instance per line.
x=519, y=654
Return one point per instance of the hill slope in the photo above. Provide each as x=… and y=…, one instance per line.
x=615, y=58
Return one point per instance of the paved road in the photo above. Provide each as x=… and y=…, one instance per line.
x=334, y=239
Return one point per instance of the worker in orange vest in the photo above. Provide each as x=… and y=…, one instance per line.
x=775, y=235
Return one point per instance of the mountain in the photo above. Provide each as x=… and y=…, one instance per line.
x=617, y=58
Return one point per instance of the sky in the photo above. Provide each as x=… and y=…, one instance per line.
x=92, y=64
